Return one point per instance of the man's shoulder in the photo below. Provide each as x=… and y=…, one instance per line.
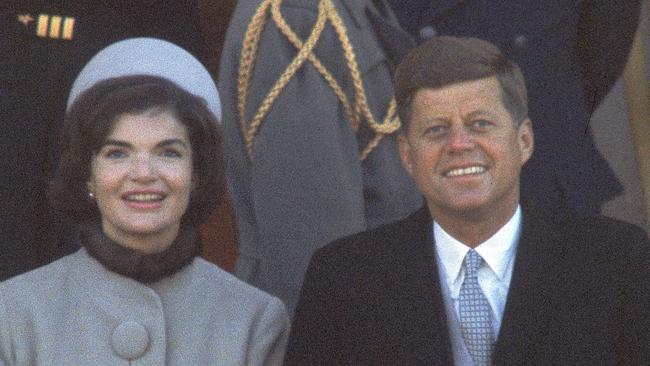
x=612, y=237
x=571, y=221
x=593, y=233
x=610, y=226
x=390, y=239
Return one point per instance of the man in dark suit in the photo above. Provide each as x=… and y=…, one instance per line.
x=477, y=276
x=571, y=53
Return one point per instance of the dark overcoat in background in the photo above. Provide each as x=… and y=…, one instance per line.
x=571, y=53
x=579, y=295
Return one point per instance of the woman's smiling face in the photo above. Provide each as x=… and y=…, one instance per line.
x=141, y=179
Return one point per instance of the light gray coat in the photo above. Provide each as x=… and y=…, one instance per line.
x=76, y=312
x=306, y=185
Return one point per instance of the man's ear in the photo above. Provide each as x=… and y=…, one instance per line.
x=405, y=153
x=526, y=140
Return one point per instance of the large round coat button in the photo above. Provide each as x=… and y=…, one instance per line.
x=427, y=32
x=520, y=42
x=130, y=340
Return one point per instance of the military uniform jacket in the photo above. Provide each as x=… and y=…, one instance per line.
x=76, y=312
x=306, y=184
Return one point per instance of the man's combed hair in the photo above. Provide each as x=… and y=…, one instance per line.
x=443, y=61
x=90, y=119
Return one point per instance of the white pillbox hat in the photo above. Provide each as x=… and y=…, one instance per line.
x=149, y=56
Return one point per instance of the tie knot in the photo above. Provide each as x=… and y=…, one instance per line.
x=472, y=262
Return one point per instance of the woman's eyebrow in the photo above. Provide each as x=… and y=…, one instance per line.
x=169, y=142
x=163, y=143
x=116, y=143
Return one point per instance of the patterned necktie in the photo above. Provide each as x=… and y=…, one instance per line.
x=475, y=313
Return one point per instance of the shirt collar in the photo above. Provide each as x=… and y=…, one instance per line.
x=497, y=251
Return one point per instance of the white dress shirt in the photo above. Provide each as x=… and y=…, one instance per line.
x=494, y=275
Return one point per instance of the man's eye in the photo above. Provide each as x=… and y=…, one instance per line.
x=434, y=130
x=481, y=124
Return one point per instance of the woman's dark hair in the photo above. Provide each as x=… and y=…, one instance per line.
x=445, y=60
x=90, y=119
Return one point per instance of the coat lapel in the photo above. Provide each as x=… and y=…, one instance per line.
x=415, y=14
x=395, y=41
x=377, y=16
x=425, y=302
x=533, y=288
x=357, y=10
x=439, y=8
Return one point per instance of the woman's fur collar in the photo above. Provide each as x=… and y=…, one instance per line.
x=142, y=267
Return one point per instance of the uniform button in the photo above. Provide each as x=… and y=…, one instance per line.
x=427, y=32
x=520, y=42
x=130, y=339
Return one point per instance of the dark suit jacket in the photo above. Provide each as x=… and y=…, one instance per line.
x=579, y=295
x=571, y=53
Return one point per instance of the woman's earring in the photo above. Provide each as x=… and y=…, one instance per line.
x=91, y=196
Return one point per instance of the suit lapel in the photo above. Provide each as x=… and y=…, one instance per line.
x=416, y=14
x=439, y=8
x=533, y=288
x=357, y=10
x=395, y=41
x=375, y=19
x=424, y=295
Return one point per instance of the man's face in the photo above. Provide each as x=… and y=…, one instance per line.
x=464, y=151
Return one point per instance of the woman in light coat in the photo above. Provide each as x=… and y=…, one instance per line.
x=141, y=167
